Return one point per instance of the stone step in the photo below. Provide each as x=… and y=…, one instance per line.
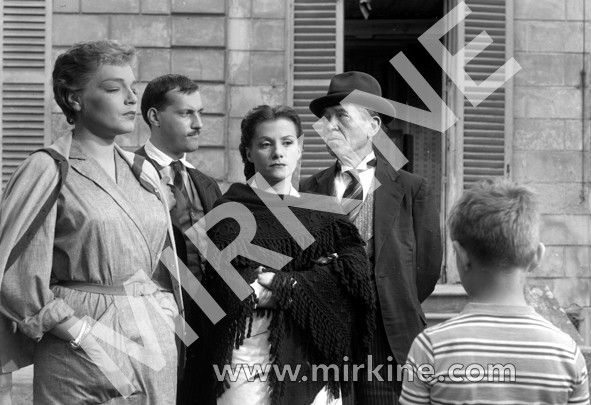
x=447, y=298
x=447, y=301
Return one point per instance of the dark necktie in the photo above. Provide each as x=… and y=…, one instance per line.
x=179, y=190
x=183, y=202
x=354, y=192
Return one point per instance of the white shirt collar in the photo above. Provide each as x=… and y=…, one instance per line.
x=292, y=191
x=362, y=166
x=162, y=158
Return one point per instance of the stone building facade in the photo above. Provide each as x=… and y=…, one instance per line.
x=236, y=51
x=552, y=139
x=245, y=52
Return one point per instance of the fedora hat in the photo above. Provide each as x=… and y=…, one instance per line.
x=343, y=84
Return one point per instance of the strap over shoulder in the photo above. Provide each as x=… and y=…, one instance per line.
x=24, y=241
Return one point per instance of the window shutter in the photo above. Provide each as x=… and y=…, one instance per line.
x=23, y=83
x=316, y=59
x=484, y=125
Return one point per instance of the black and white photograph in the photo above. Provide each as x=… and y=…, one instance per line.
x=295, y=202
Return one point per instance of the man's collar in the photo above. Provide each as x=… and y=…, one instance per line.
x=362, y=166
x=162, y=158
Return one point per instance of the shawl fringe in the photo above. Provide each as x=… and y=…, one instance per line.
x=331, y=306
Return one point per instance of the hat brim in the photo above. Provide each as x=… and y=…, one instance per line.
x=318, y=105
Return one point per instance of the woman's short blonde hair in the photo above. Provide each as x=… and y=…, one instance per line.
x=74, y=67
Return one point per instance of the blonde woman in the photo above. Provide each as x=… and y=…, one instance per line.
x=108, y=227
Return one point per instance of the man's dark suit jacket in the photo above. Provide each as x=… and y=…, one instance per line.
x=207, y=189
x=193, y=388
x=407, y=244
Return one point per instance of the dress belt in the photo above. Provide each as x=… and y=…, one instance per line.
x=136, y=290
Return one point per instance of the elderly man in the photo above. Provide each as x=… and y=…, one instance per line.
x=398, y=220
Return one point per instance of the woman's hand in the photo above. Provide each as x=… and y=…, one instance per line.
x=266, y=298
x=265, y=279
x=261, y=288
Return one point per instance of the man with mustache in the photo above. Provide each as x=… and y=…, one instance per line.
x=172, y=107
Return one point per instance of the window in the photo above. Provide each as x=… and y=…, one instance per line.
x=25, y=79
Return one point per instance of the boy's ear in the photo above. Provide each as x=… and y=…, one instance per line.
x=540, y=251
x=462, y=258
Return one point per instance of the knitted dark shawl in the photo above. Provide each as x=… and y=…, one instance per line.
x=325, y=312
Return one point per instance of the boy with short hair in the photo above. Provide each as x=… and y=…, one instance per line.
x=498, y=350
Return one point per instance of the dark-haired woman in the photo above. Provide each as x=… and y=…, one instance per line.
x=106, y=231
x=317, y=309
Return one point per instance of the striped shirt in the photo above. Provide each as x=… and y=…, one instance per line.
x=495, y=354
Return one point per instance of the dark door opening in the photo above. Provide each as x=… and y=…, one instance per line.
x=394, y=26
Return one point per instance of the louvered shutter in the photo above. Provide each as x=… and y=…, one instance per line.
x=315, y=62
x=23, y=83
x=484, y=125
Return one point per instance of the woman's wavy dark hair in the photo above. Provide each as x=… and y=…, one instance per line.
x=253, y=119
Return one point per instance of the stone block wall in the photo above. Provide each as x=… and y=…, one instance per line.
x=257, y=65
x=551, y=141
x=235, y=49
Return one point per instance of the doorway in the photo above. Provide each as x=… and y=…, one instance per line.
x=394, y=26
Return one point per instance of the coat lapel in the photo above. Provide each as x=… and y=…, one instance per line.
x=149, y=177
x=325, y=181
x=388, y=198
x=205, y=189
x=90, y=169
